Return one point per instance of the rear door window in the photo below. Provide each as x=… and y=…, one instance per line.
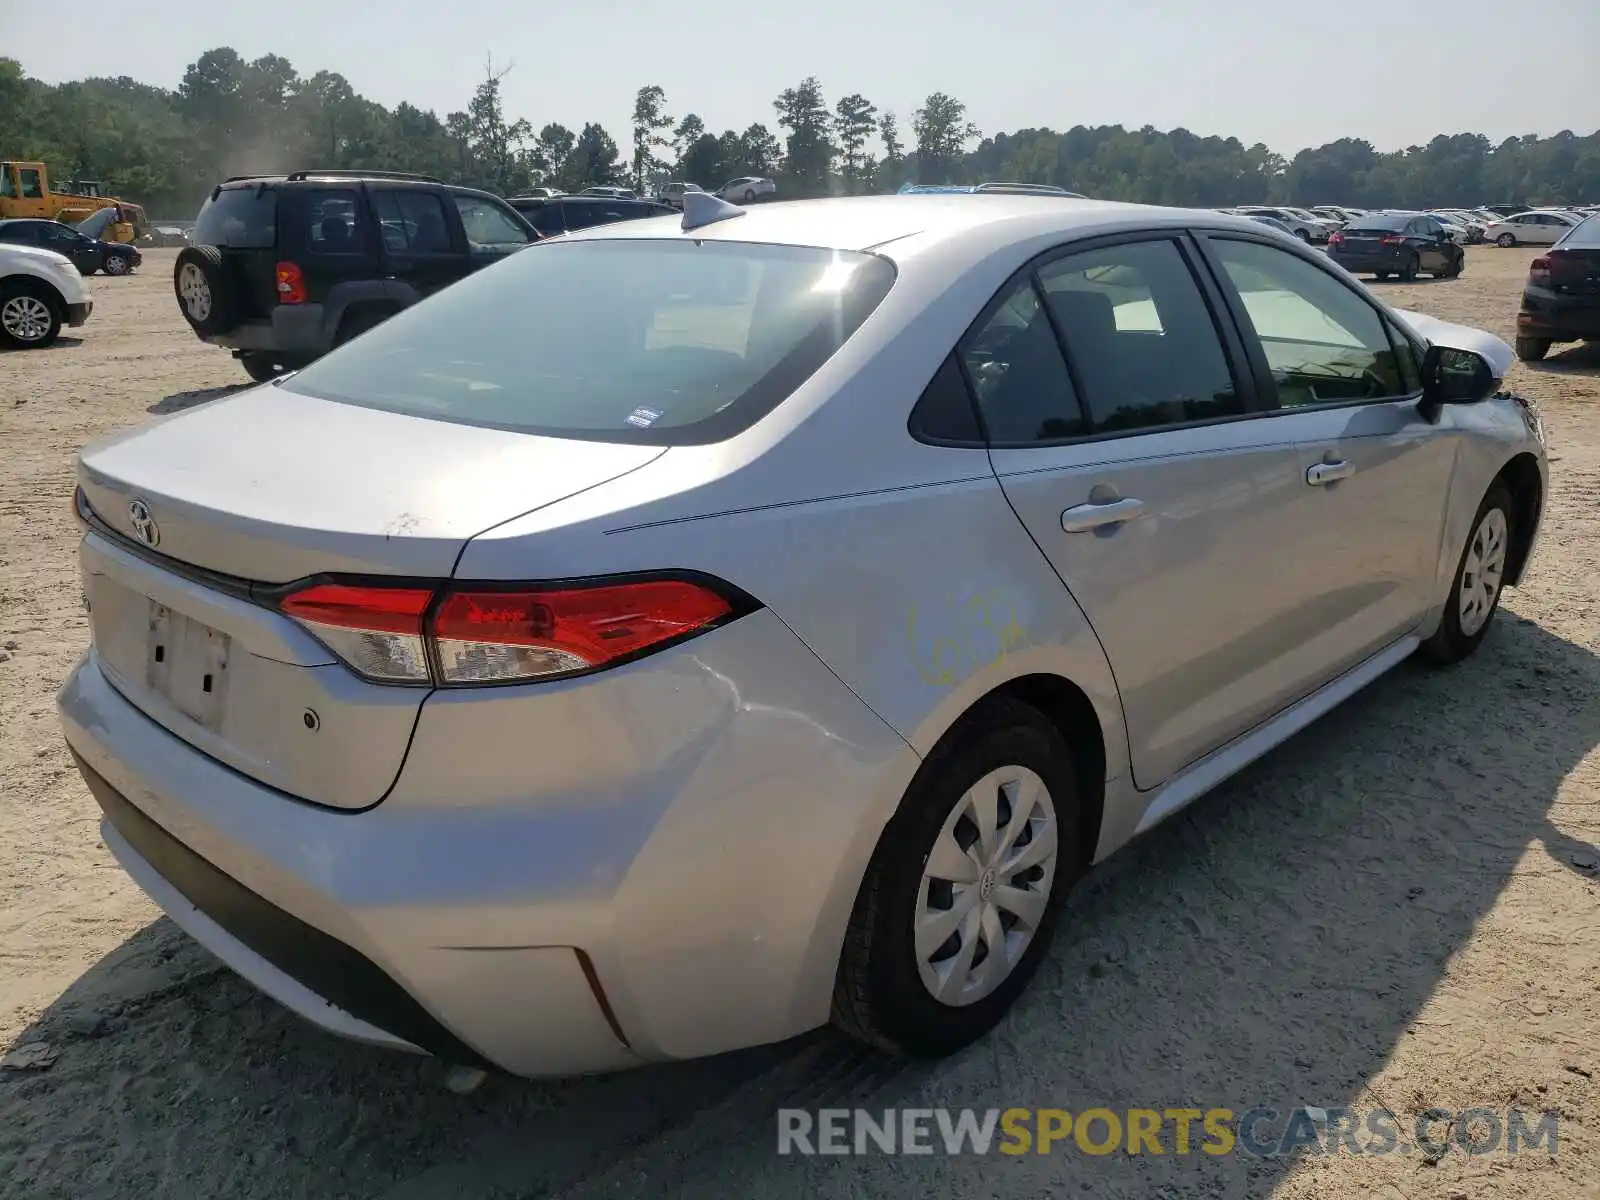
x=243, y=218
x=547, y=219
x=1140, y=337
x=412, y=222
x=1018, y=375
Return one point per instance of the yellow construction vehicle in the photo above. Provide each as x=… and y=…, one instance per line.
x=25, y=192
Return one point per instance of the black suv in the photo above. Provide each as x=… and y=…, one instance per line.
x=552, y=215
x=282, y=268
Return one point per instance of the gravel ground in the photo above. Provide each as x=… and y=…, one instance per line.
x=1400, y=908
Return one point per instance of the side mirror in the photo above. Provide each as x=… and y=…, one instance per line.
x=1454, y=376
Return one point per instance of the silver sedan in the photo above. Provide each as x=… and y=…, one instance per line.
x=771, y=628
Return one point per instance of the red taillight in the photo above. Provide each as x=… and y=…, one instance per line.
x=1335, y=238
x=291, y=284
x=1391, y=239
x=377, y=631
x=1539, y=269
x=501, y=635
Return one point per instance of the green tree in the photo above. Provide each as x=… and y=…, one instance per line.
x=551, y=149
x=855, y=120
x=942, y=130
x=689, y=131
x=892, y=171
x=808, y=149
x=754, y=152
x=495, y=143
x=650, y=123
x=593, y=161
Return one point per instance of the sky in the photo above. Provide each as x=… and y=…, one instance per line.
x=1290, y=74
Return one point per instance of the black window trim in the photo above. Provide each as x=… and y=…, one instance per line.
x=1266, y=387
x=1232, y=345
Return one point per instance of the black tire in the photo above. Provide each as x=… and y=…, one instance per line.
x=262, y=367
x=1450, y=643
x=1382, y=275
x=117, y=264
x=879, y=995
x=749, y=196
x=1457, y=267
x=30, y=313
x=219, y=315
x=1506, y=240
x=1530, y=349
x=1408, y=273
x=357, y=322
x=1303, y=235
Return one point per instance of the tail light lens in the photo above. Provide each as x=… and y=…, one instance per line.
x=1539, y=269
x=470, y=636
x=291, y=284
x=1335, y=238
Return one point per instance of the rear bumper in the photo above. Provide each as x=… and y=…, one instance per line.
x=77, y=314
x=664, y=870
x=1558, y=317
x=1363, y=264
x=293, y=330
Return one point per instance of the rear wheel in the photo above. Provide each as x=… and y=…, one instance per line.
x=1408, y=273
x=1531, y=349
x=30, y=318
x=1475, y=594
x=1304, y=235
x=749, y=196
x=1457, y=267
x=358, y=322
x=962, y=895
x=1384, y=275
x=203, y=294
x=1506, y=239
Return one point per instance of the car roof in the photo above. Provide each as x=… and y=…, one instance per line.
x=873, y=222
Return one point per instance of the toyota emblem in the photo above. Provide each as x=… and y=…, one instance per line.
x=144, y=525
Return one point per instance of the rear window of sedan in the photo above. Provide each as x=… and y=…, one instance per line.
x=661, y=342
x=1395, y=224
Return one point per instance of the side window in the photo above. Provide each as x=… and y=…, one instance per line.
x=32, y=189
x=1018, y=375
x=547, y=219
x=413, y=222
x=487, y=225
x=944, y=412
x=1324, y=343
x=1140, y=337
x=583, y=213
x=334, y=222
x=7, y=186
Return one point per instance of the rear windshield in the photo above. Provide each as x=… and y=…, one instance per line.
x=1386, y=224
x=245, y=218
x=662, y=342
x=1585, y=235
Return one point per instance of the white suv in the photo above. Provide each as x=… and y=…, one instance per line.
x=40, y=291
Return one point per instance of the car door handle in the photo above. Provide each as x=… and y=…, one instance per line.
x=1323, y=473
x=1083, y=518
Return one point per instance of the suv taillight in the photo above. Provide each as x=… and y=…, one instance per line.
x=1539, y=269
x=291, y=284
x=468, y=635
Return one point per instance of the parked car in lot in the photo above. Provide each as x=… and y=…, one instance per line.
x=1543, y=227
x=1305, y=228
x=613, y=193
x=567, y=214
x=1561, y=299
x=40, y=291
x=672, y=193
x=87, y=254
x=1403, y=244
x=283, y=268
x=1273, y=223
x=756, y=598
x=747, y=189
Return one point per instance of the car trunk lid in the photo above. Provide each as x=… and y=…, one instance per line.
x=194, y=520
x=1574, y=270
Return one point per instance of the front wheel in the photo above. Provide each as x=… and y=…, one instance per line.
x=116, y=264
x=749, y=196
x=1303, y=235
x=1506, y=240
x=1475, y=594
x=28, y=318
x=963, y=892
x=1530, y=349
x=1382, y=275
x=1408, y=273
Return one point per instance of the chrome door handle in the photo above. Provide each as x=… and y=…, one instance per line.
x=1323, y=473
x=1083, y=518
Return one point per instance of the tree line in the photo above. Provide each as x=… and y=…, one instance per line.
x=228, y=116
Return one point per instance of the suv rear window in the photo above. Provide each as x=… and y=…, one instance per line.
x=241, y=217
x=631, y=340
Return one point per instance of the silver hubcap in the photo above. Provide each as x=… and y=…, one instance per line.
x=196, y=292
x=985, y=886
x=116, y=265
x=26, y=318
x=1480, y=577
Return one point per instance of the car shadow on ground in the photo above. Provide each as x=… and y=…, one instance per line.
x=1581, y=359
x=62, y=342
x=179, y=401
x=1269, y=946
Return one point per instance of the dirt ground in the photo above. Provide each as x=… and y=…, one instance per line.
x=1400, y=908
